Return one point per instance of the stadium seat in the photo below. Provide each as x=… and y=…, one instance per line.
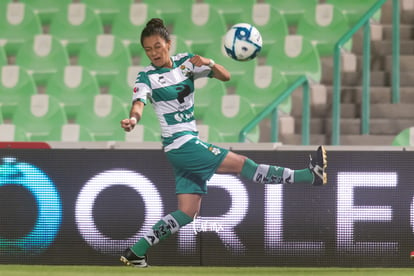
x=71, y=133
x=128, y=26
x=122, y=85
x=106, y=57
x=297, y=57
x=39, y=116
x=178, y=45
x=101, y=115
x=18, y=24
x=3, y=57
x=292, y=10
x=404, y=138
x=170, y=11
x=209, y=134
x=264, y=17
x=108, y=9
x=9, y=132
x=74, y=26
x=207, y=91
x=237, y=69
x=355, y=9
x=231, y=10
x=229, y=116
x=152, y=128
x=324, y=26
x=265, y=87
x=16, y=86
x=200, y=28
x=72, y=86
x=42, y=56
x=46, y=9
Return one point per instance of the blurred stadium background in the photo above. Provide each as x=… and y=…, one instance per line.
x=67, y=68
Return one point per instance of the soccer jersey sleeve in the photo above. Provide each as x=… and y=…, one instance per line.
x=141, y=88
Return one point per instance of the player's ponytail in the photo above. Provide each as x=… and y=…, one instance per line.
x=155, y=27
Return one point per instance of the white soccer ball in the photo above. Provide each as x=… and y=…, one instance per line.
x=242, y=42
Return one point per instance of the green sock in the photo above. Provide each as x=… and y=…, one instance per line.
x=267, y=174
x=164, y=228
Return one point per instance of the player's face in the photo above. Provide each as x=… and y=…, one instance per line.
x=158, y=50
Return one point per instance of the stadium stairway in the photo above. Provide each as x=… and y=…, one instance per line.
x=387, y=119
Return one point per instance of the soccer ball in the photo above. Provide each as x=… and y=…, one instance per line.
x=242, y=42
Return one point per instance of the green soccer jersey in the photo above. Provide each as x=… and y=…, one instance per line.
x=171, y=91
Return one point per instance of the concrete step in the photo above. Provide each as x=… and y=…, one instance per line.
x=377, y=126
x=406, y=14
x=366, y=140
x=348, y=110
x=393, y=111
x=385, y=47
x=406, y=63
x=353, y=94
x=406, y=32
x=296, y=139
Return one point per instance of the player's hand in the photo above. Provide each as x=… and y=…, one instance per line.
x=128, y=124
x=199, y=60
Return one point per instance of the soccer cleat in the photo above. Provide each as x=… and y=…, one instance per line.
x=129, y=258
x=317, y=165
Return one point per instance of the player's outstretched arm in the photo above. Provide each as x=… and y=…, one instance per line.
x=219, y=72
x=134, y=116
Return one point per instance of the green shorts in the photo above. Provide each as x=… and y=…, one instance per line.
x=194, y=164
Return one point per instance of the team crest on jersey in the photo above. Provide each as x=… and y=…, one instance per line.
x=162, y=80
x=136, y=89
x=185, y=70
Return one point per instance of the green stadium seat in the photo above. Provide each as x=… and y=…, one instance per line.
x=101, y=115
x=152, y=128
x=266, y=85
x=46, y=9
x=292, y=10
x=74, y=26
x=324, y=26
x=72, y=86
x=264, y=17
x=122, y=85
x=229, y=116
x=355, y=9
x=231, y=10
x=148, y=128
x=404, y=138
x=170, y=11
x=207, y=92
x=18, y=24
x=3, y=57
x=209, y=134
x=42, y=56
x=108, y=9
x=71, y=133
x=9, y=133
x=16, y=86
x=106, y=57
x=201, y=27
x=237, y=69
x=128, y=26
x=39, y=116
x=296, y=57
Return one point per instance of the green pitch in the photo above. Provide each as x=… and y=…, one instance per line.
x=37, y=270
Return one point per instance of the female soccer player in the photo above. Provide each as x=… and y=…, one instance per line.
x=168, y=83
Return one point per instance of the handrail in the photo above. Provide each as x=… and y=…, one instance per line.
x=363, y=22
x=272, y=108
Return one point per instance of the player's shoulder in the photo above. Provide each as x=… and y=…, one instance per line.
x=182, y=56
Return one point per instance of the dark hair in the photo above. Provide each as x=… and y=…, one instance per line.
x=155, y=27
